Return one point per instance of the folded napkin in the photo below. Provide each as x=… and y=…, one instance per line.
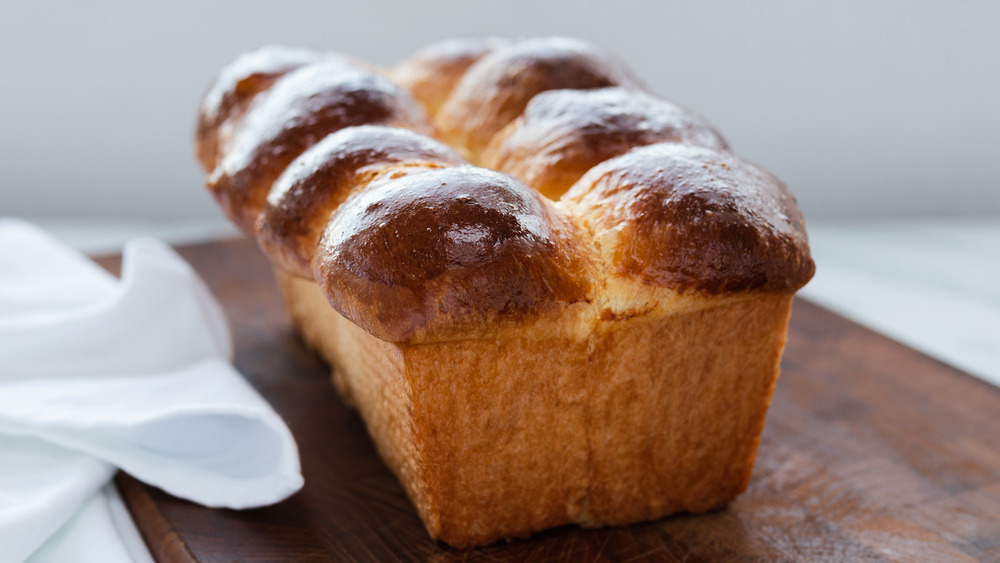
x=98, y=374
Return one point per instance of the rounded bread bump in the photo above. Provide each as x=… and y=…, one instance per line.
x=564, y=133
x=299, y=110
x=496, y=89
x=694, y=219
x=305, y=196
x=448, y=248
x=432, y=72
x=236, y=86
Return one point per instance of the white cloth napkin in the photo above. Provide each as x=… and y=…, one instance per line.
x=98, y=374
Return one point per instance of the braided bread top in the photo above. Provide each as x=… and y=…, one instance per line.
x=596, y=197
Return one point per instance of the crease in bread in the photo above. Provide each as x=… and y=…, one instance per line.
x=553, y=297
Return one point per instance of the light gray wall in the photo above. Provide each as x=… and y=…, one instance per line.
x=864, y=107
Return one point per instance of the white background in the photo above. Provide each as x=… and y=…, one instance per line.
x=866, y=109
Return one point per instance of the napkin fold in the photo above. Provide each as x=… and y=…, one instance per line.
x=98, y=374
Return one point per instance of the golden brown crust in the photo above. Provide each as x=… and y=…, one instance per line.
x=299, y=110
x=495, y=90
x=446, y=248
x=692, y=218
x=305, y=196
x=564, y=133
x=431, y=73
x=238, y=83
x=498, y=438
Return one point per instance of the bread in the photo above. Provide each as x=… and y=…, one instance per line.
x=586, y=330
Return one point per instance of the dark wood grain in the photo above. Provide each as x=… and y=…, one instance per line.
x=872, y=451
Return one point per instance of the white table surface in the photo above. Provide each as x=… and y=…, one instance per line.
x=931, y=284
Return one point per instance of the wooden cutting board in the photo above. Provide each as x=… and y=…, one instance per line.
x=872, y=451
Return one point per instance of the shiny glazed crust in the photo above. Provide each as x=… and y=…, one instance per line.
x=431, y=74
x=564, y=133
x=496, y=89
x=527, y=342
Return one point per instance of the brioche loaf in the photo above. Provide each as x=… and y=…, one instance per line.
x=553, y=297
